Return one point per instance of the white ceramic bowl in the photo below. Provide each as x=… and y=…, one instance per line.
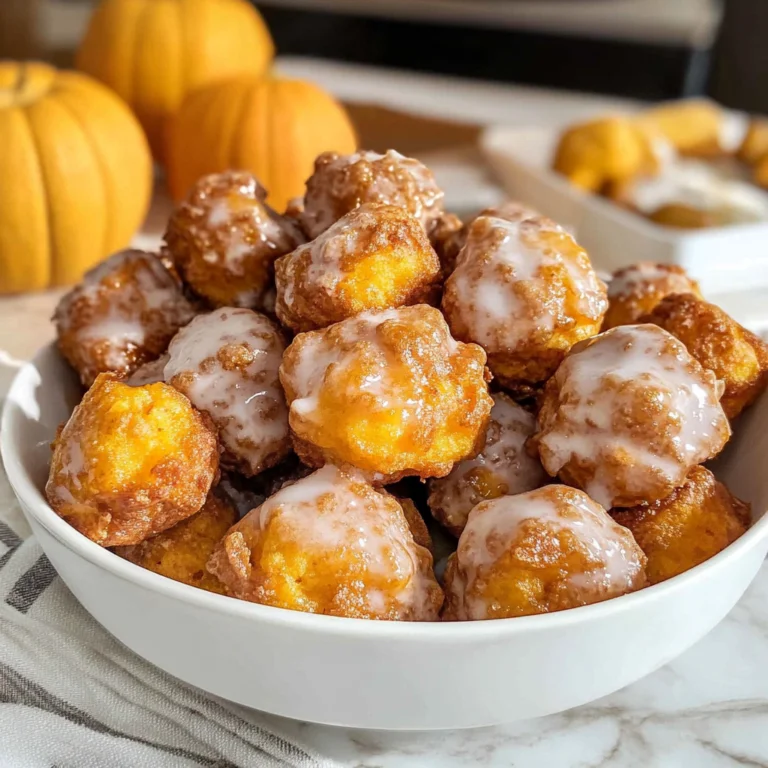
x=370, y=674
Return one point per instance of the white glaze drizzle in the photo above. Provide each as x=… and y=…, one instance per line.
x=700, y=185
x=646, y=276
x=331, y=510
x=599, y=381
x=392, y=175
x=151, y=303
x=318, y=354
x=501, y=275
x=494, y=526
x=247, y=404
x=504, y=458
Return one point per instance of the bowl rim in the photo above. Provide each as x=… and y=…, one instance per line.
x=35, y=505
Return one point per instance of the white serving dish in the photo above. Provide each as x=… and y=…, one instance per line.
x=370, y=674
x=723, y=259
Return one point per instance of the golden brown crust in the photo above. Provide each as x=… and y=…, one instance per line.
x=330, y=544
x=694, y=523
x=737, y=356
x=627, y=415
x=525, y=291
x=122, y=315
x=181, y=552
x=375, y=257
x=390, y=393
x=539, y=552
x=502, y=468
x=131, y=462
x=416, y=523
x=226, y=363
x=636, y=290
x=603, y=151
x=341, y=183
x=224, y=240
x=449, y=234
x=447, y=237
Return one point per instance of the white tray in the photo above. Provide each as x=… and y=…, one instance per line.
x=723, y=259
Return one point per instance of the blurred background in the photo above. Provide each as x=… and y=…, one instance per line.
x=649, y=49
x=363, y=52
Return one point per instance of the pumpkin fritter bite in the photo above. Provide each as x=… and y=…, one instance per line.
x=450, y=235
x=634, y=291
x=627, y=414
x=375, y=257
x=694, y=127
x=341, y=183
x=332, y=544
x=546, y=550
x=525, y=291
x=692, y=524
x=226, y=363
x=737, y=356
x=447, y=238
x=131, y=462
x=181, y=552
x=122, y=315
x=502, y=468
x=224, y=240
x=600, y=152
x=388, y=392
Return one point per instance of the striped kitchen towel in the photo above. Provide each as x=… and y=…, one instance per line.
x=71, y=696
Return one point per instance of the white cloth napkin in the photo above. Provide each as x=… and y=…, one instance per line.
x=71, y=696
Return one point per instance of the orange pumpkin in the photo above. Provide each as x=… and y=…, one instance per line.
x=76, y=173
x=273, y=127
x=154, y=52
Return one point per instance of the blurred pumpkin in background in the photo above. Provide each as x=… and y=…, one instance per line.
x=273, y=127
x=154, y=52
x=75, y=175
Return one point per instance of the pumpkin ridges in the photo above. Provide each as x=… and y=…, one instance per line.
x=61, y=100
x=242, y=44
x=277, y=131
x=197, y=22
x=76, y=196
x=79, y=161
x=121, y=150
x=225, y=114
x=25, y=262
x=116, y=70
x=248, y=149
x=176, y=144
x=157, y=65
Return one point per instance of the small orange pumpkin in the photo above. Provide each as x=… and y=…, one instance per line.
x=154, y=52
x=273, y=127
x=76, y=175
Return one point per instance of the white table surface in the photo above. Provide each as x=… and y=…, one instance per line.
x=707, y=709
